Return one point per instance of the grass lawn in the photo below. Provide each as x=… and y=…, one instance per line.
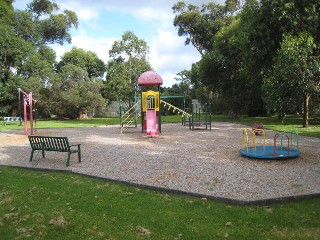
x=291, y=123
x=92, y=122
x=52, y=205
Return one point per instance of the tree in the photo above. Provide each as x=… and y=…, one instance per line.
x=37, y=73
x=6, y=13
x=242, y=50
x=73, y=92
x=24, y=36
x=200, y=25
x=78, y=83
x=264, y=24
x=223, y=40
x=50, y=27
x=9, y=95
x=184, y=81
x=87, y=60
x=13, y=52
x=128, y=59
x=296, y=74
x=43, y=23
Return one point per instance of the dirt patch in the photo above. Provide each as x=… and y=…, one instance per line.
x=7, y=139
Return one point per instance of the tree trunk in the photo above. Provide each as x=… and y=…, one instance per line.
x=306, y=111
x=130, y=82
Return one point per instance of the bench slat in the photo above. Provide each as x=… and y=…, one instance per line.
x=50, y=143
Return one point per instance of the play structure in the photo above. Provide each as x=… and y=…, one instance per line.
x=150, y=103
x=148, y=106
x=285, y=145
x=198, y=119
x=27, y=100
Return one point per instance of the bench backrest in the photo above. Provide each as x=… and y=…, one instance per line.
x=49, y=143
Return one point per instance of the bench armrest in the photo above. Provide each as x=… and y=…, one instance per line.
x=72, y=145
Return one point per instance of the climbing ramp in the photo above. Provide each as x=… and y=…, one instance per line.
x=130, y=116
x=175, y=109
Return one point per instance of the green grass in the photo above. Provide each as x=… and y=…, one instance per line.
x=51, y=205
x=290, y=123
x=92, y=122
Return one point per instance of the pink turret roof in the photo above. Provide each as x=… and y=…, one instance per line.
x=150, y=78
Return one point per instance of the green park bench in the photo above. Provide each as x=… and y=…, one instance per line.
x=57, y=144
x=11, y=119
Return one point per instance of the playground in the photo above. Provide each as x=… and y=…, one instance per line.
x=230, y=162
x=203, y=163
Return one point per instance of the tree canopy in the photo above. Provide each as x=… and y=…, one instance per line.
x=201, y=24
x=296, y=75
x=26, y=58
x=128, y=59
x=87, y=60
x=258, y=57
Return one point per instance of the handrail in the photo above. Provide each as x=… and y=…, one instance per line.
x=245, y=139
x=292, y=133
x=275, y=143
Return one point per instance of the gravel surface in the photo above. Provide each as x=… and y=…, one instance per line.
x=201, y=162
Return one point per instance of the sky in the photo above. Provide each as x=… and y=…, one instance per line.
x=104, y=21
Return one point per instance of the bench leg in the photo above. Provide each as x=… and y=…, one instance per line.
x=79, y=154
x=31, y=156
x=68, y=160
